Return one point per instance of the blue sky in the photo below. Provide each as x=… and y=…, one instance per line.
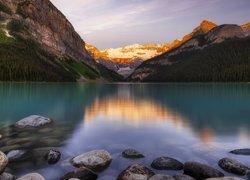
x=115, y=23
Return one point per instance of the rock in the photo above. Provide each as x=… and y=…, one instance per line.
x=7, y=176
x=233, y=166
x=96, y=160
x=131, y=153
x=136, y=172
x=82, y=173
x=32, y=176
x=3, y=161
x=166, y=163
x=201, y=171
x=6, y=149
x=225, y=178
x=33, y=122
x=17, y=155
x=241, y=151
x=183, y=177
x=53, y=156
x=161, y=177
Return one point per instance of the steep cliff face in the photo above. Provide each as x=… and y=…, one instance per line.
x=45, y=24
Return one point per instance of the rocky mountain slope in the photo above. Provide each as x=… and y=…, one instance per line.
x=218, y=54
x=38, y=43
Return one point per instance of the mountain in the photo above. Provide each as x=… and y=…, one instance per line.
x=218, y=54
x=38, y=43
x=125, y=59
x=246, y=28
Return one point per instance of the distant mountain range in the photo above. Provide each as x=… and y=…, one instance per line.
x=38, y=43
x=125, y=60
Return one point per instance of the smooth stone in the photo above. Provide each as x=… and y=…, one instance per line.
x=233, y=166
x=33, y=121
x=131, y=153
x=166, y=163
x=136, y=172
x=241, y=151
x=183, y=177
x=3, y=162
x=32, y=176
x=7, y=176
x=82, y=173
x=201, y=171
x=53, y=156
x=161, y=177
x=226, y=178
x=16, y=155
x=96, y=160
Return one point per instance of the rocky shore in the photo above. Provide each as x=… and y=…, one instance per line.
x=17, y=150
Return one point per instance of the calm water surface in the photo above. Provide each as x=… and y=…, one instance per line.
x=201, y=122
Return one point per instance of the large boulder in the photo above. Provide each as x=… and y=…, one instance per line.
x=32, y=176
x=96, y=160
x=33, y=121
x=82, y=173
x=131, y=153
x=3, y=162
x=136, y=172
x=241, y=151
x=233, y=166
x=167, y=163
x=201, y=171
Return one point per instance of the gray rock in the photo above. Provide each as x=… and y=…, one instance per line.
x=201, y=171
x=166, y=163
x=32, y=176
x=131, y=153
x=82, y=173
x=16, y=155
x=233, y=166
x=161, y=177
x=96, y=160
x=136, y=172
x=7, y=176
x=183, y=177
x=33, y=122
x=53, y=156
x=3, y=162
x=226, y=178
x=241, y=151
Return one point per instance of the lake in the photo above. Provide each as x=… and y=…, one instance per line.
x=200, y=122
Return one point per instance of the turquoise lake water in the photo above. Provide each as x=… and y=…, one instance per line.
x=201, y=122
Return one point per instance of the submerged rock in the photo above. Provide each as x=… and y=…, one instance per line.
x=226, y=178
x=32, y=176
x=7, y=176
x=233, y=166
x=3, y=162
x=131, y=153
x=17, y=155
x=166, y=163
x=53, y=156
x=136, y=172
x=96, y=160
x=161, y=177
x=201, y=171
x=82, y=173
x=241, y=151
x=183, y=177
x=33, y=122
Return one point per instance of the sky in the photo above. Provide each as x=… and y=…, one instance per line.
x=116, y=23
